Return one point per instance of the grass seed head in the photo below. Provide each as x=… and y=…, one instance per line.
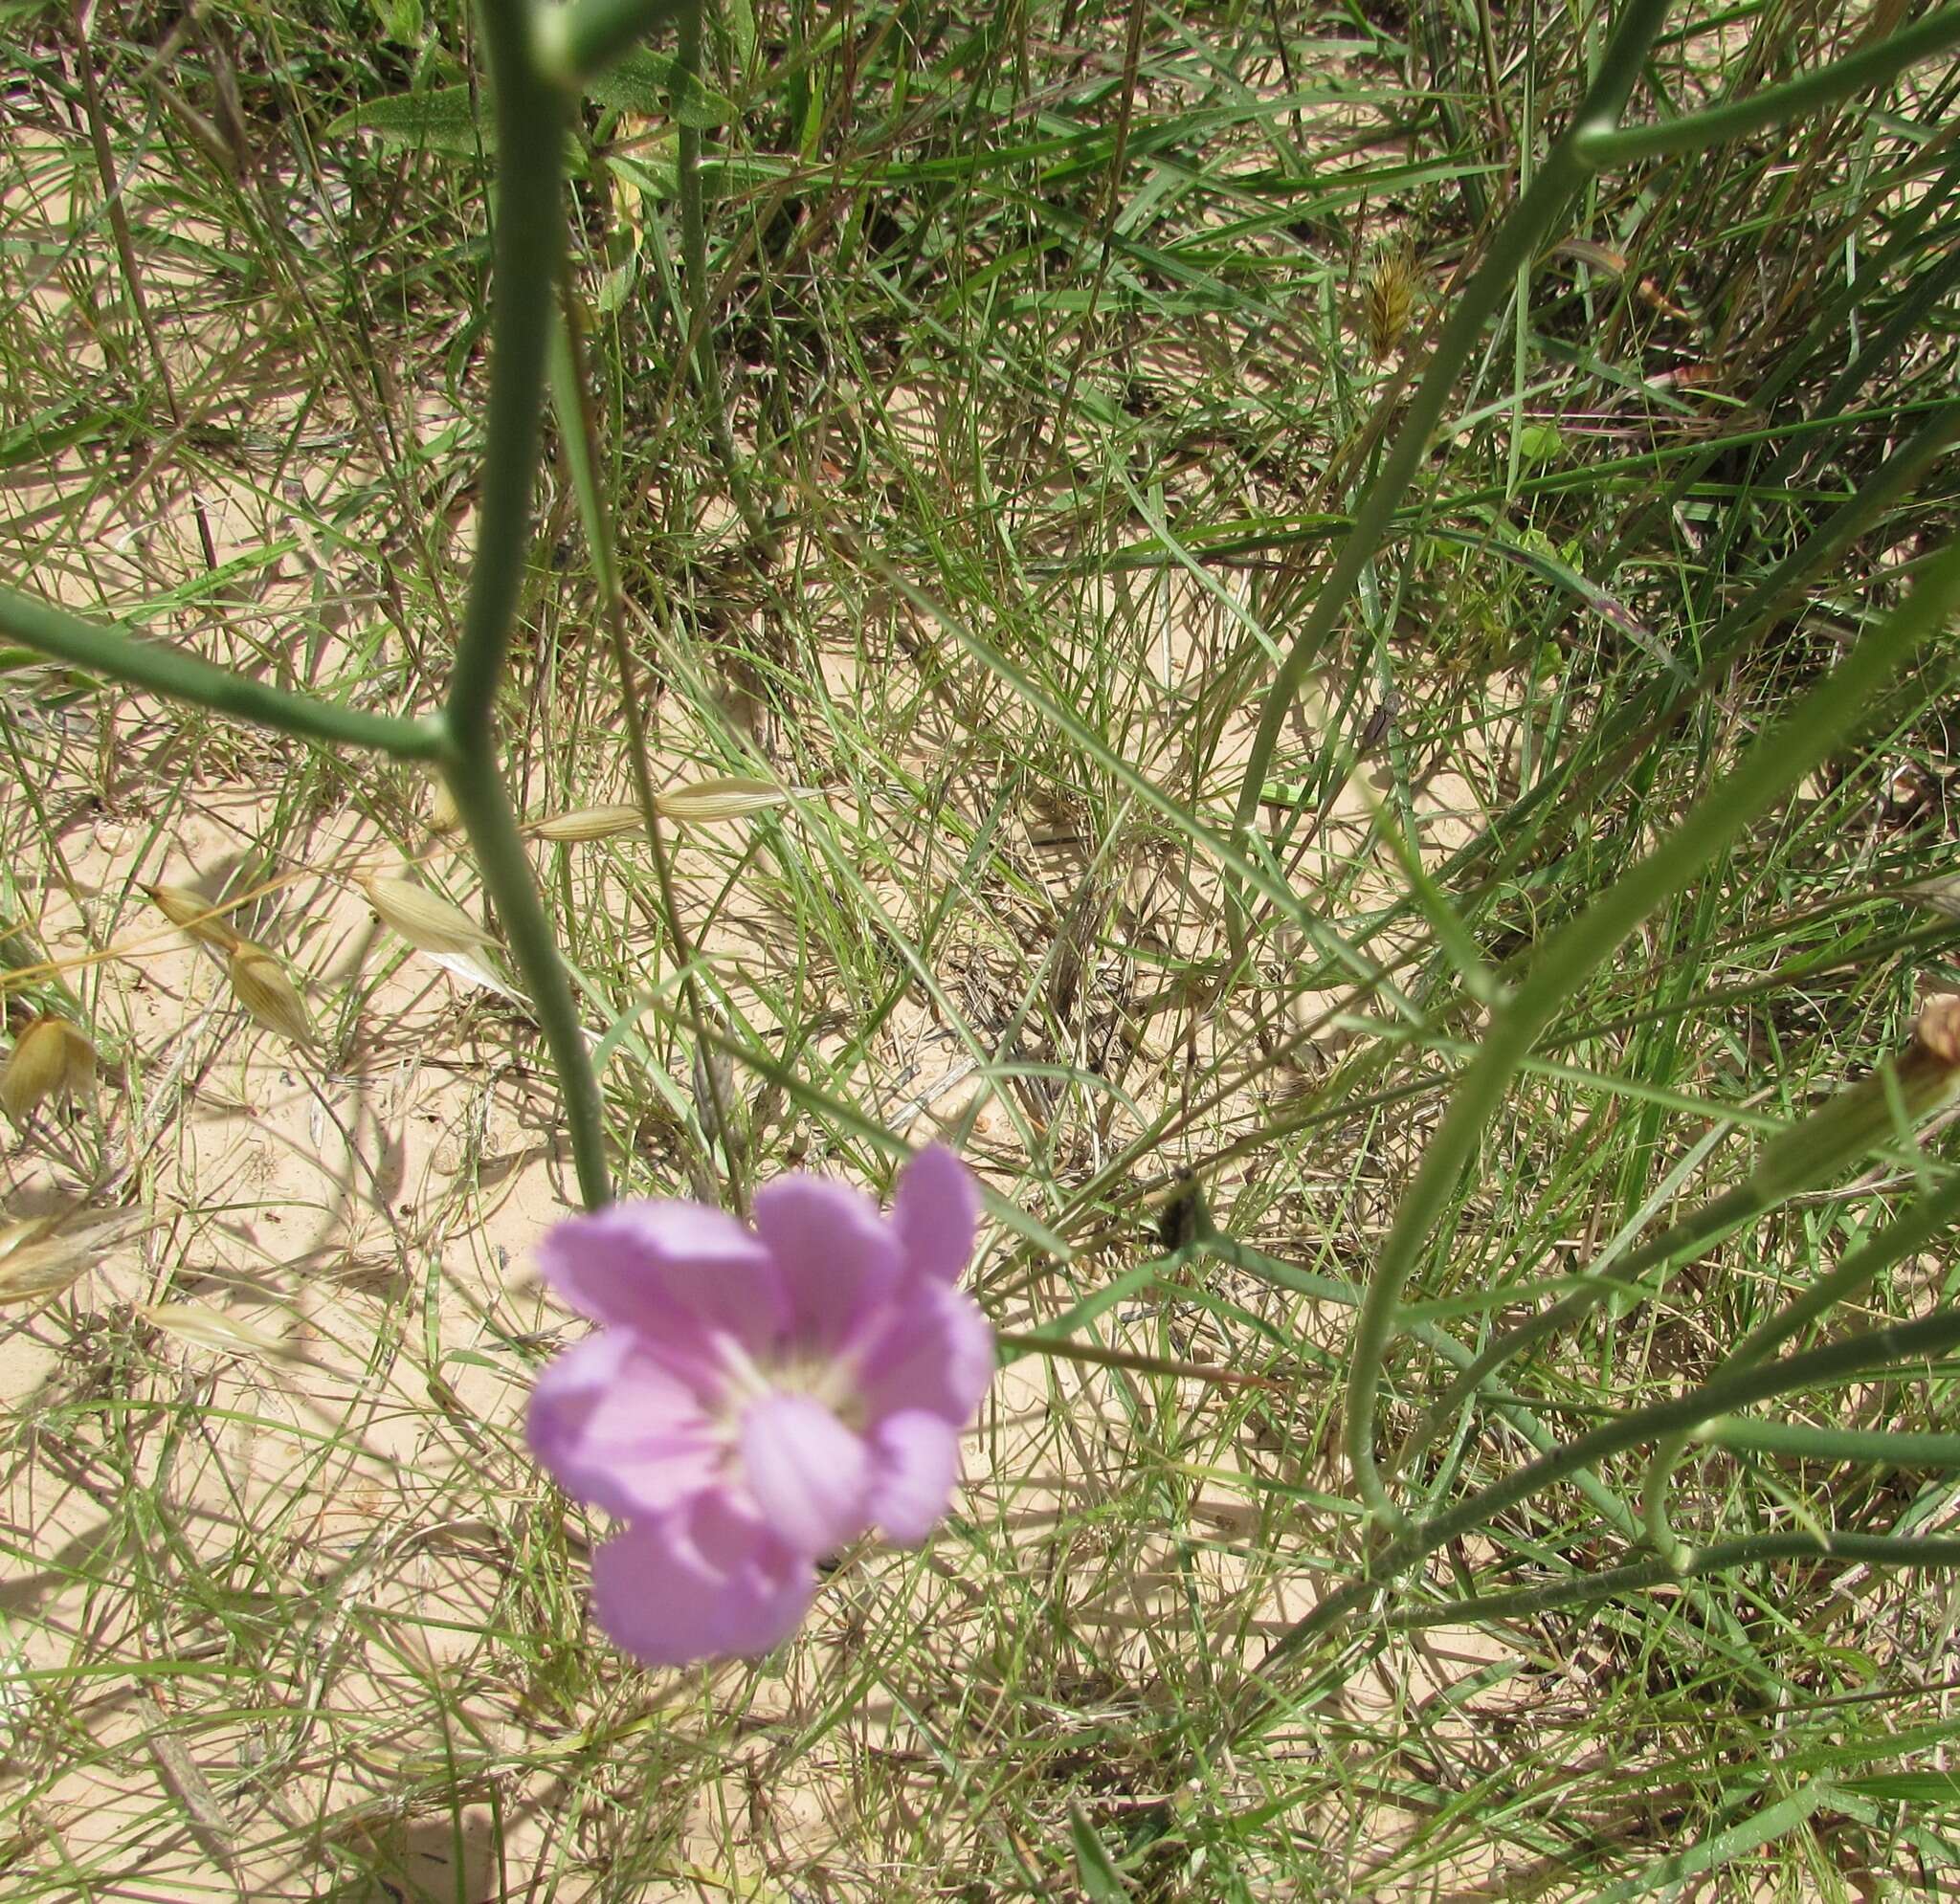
x=261, y=984
x=36, y=1263
x=428, y=922
x=444, y=815
x=50, y=1058
x=191, y=911
x=725, y=797
x=590, y=822
x=1389, y=299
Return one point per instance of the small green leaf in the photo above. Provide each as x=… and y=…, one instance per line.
x=1539, y=443
x=401, y=20
x=646, y=83
x=442, y=120
x=1101, y=1881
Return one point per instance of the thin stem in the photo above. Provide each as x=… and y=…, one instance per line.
x=532, y=117
x=1800, y=1441
x=1831, y=1139
x=478, y=786
x=1775, y=763
x=165, y=669
x=697, y=283
x=530, y=129
x=1903, y=1236
x=1867, y=1352
x=1857, y=72
x=1561, y=176
x=1876, y=1550
x=1065, y=1348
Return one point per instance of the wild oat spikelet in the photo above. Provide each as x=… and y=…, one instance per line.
x=192, y=913
x=261, y=984
x=50, y=1058
x=725, y=797
x=1388, y=299
x=445, y=817
x=588, y=823
x=428, y=921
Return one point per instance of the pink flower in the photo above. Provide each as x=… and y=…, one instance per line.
x=755, y=1400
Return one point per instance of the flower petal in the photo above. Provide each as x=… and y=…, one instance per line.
x=917, y=1462
x=934, y=1351
x=617, y=1428
x=836, y=1256
x=936, y=1212
x=700, y=1582
x=810, y=1475
x=649, y=1265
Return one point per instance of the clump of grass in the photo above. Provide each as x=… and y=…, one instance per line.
x=943, y=485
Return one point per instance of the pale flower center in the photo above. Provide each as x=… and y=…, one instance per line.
x=829, y=1379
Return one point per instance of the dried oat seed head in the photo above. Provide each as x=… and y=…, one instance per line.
x=428, y=922
x=261, y=984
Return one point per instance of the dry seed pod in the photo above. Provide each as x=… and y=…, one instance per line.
x=430, y=925
x=590, y=822
x=1389, y=300
x=50, y=1058
x=726, y=797
x=191, y=911
x=261, y=984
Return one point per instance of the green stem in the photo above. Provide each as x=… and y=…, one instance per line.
x=1799, y=1441
x=698, y=285
x=165, y=669
x=1723, y=1394
x=1835, y=1135
x=1903, y=1236
x=478, y=786
x=1876, y=1550
x=1511, y=249
x=1775, y=763
x=1857, y=72
x=531, y=116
